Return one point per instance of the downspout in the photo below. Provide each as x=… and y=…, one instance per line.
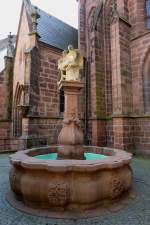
x=85, y=74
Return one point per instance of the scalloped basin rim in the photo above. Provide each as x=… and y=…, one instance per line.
x=118, y=159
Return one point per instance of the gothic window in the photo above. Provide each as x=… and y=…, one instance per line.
x=146, y=83
x=62, y=102
x=148, y=13
x=17, y=113
x=147, y=91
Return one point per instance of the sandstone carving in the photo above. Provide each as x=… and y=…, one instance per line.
x=117, y=187
x=57, y=194
x=13, y=180
x=71, y=64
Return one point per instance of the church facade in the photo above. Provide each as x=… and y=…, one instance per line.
x=114, y=37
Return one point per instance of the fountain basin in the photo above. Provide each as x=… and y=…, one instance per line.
x=54, y=156
x=70, y=184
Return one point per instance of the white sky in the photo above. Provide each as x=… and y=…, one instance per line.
x=66, y=10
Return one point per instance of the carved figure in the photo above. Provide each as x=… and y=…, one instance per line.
x=71, y=64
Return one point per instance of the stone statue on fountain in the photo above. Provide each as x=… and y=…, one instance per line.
x=71, y=64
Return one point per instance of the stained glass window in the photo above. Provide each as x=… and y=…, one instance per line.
x=148, y=13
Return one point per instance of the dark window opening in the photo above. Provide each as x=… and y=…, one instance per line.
x=62, y=102
x=17, y=122
x=148, y=13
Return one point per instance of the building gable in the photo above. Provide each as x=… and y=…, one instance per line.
x=51, y=30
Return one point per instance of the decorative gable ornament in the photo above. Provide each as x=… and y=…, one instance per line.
x=35, y=16
x=10, y=46
x=28, y=6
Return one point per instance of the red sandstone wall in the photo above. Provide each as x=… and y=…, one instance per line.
x=121, y=67
x=6, y=77
x=96, y=46
x=109, y=133
x=140, y=45
x=3, y=95
x=140, y=53
x=107, y=56
x=137, y=17
x=43, y=123
x=142, y=135
x=44, y=130
x=123, y=133
x=48, y=78
x=139, y=50
x=4, y=135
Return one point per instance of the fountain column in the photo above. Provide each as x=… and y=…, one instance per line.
x=71, y=135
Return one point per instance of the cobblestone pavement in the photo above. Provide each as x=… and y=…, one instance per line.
x=136, y=213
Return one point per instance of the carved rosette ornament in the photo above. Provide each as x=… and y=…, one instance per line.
x=117, y=187
x=13, y=180
x=58, y=194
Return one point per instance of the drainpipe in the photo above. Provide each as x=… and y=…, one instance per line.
x=85, y=74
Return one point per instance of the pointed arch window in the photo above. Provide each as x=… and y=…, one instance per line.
x=148, y=14
x=17, y=112
x=146, y=83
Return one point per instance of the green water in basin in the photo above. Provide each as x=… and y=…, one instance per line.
x=88, y=156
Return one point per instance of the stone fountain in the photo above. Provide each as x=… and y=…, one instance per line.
x=70, y=182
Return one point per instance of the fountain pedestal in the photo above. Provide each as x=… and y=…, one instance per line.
x=71, y=135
